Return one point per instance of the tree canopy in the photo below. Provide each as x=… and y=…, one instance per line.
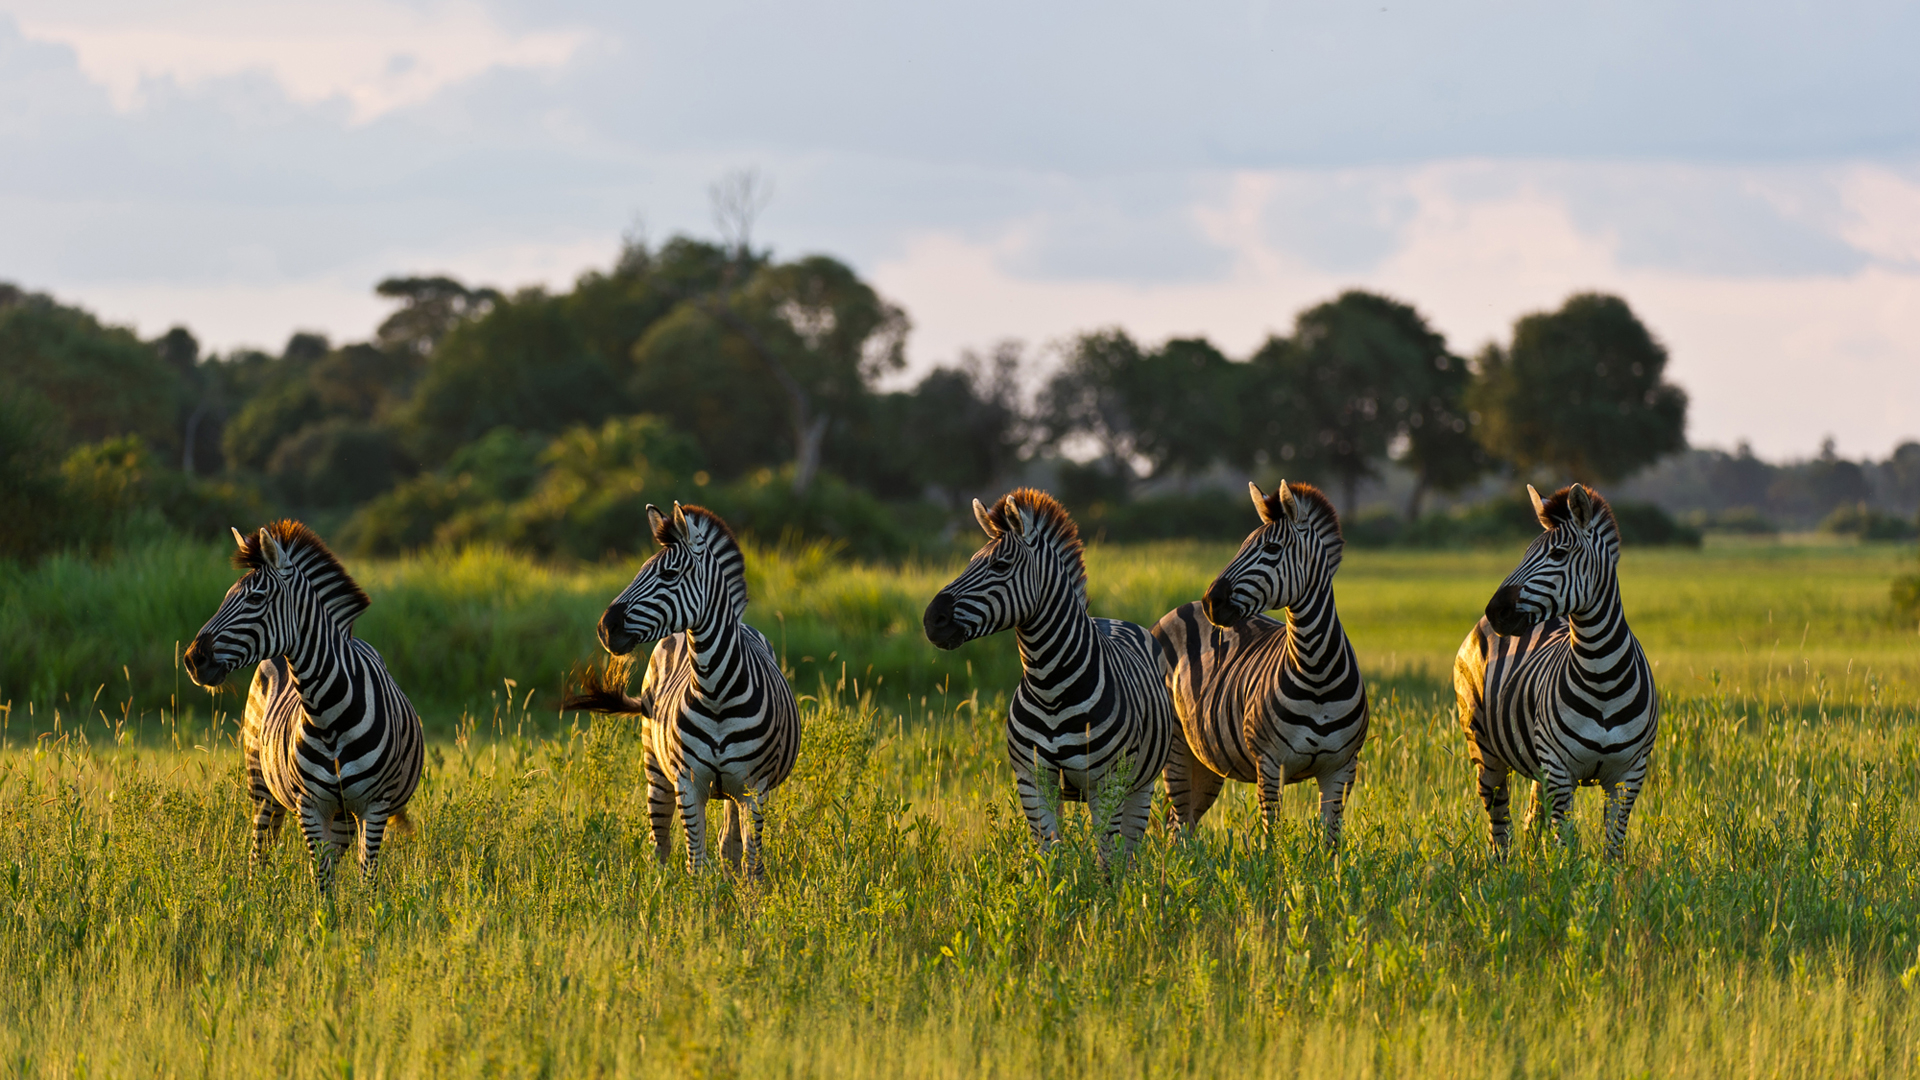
x=1580, y=393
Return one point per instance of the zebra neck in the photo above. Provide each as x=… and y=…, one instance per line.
x=1314, y=634
x=1599, y=633
x=714, y=639
x=1055, y=641
x=321, y=665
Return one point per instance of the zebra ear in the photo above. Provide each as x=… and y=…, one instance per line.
x=681, y=526
x=1018, y=521
x=1539, y=508
x=270, y=548
x=985, y=519
x=1580, y=502
x=656, y=524
x=239, y=538
x=1283, y=497
x=1260, y=503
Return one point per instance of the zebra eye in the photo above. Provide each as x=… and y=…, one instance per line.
x=1000, y=565
x=669, y=573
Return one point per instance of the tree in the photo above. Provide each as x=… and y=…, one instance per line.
x=1092, y=398
x=1580, y=393
x=522, y=365
x=94, y=382
x=1362, y=377
x=1182, y=406
x=812, y=326
x=431, y=307
x=824, y=335
x=957, y=431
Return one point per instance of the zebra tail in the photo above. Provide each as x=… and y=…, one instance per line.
x=603, y=690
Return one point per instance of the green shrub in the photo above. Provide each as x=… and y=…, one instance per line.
x=1740, y=521
x=1206, y=515
x=763, y=506
x=1510, y=520
x=29, y=479
x=1647, y=525
x=1867, y=523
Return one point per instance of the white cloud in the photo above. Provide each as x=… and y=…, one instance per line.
x=340, y=303
x=1884, y=211
x=375, y=55
x=1778, y=360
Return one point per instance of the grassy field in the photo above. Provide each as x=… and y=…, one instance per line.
x=1765, y=921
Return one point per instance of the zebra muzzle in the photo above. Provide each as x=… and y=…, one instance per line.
x=614, y=635
x=202, y=668
x=1218, y=605
x=1505, y=615
x=939, y=623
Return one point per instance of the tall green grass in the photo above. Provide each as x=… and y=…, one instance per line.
x=99, y=641
x=1765, y=921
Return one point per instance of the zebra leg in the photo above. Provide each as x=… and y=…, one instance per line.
x=1494, y=794
x=1128, y=825
x=373, y=829
x=1178, y=775
x=1333, y=800
x=267, y=814
x=1620, y=799
x=1273, y=779
x=1558, y=786
x=693, y=817
x=267, y=819
x=1040, y=815
x=1536, y=808
x=1202, y=791
x=660, y=807
x=730, y=836
x=755, y=826
x=318, y=831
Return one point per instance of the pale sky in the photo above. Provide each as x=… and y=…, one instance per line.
x=1746, y=175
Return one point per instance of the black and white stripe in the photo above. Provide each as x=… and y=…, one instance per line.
x=1263, y=701
x=721, y=721
x=1092, y=701
x=1551, y=684
x=328, y=734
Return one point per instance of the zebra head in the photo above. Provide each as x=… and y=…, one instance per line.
x=697, y=578
x=1030, y=564
x=293, y=586
x=1566, y=569
x=1293, y=554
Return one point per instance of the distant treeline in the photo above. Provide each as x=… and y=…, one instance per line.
x=715, y=373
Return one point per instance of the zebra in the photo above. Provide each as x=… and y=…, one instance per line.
x=1092, y=705
x=328, y=734
x=721, y=721
x=1551, y=683
x=1263, y=701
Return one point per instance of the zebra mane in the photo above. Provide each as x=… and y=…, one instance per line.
x=336, y=589
x=1558, y=510
x=1054, y=523
x=719, y=529
x=1319, y=508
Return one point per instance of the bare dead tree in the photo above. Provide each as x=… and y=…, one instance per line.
x=737, y=200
